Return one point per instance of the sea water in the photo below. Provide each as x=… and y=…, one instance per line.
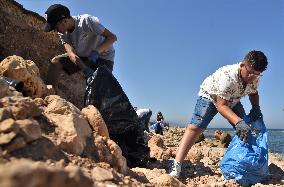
x=275, y=138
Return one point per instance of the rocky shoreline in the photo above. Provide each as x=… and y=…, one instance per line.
x=50, y=142
x=48, y=139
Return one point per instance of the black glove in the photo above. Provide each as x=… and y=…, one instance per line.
x=243, y=130
x=255, y=113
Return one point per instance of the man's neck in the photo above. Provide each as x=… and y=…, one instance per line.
x=240, y=77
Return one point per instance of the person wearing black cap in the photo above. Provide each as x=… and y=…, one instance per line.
x=87, y=42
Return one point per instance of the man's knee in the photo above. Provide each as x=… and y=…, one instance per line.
x=194, y=128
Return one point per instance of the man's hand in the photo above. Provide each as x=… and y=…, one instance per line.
x=255, y=113
x=88, y=72
x=94, y=56
x=243, y=130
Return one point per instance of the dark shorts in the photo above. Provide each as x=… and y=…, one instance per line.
x=71, y=68
x=205, y=110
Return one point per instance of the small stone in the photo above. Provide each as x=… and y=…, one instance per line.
x=15, y=144
x=30, y=129
x=8, y=125
x=6, y=138
x=101, y=174
x=40, y=102
x=5, y=113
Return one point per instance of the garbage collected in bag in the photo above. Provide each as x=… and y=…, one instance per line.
x=105, y=93
x=247, y=163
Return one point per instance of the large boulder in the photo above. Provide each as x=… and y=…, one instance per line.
x=71, y=87
x=29, y=129
x=20, y=173
x=96, y=121
x=108, y=151
x=157, y=148
x=20, y=107
x=71, y=126
x=17, y=68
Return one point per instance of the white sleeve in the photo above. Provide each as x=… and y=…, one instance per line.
x=91, y=25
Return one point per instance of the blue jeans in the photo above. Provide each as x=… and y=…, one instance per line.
x=205, y=110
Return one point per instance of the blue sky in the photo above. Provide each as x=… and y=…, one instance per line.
x=165, y=49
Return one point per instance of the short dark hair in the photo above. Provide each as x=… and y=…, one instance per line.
x=257, y=60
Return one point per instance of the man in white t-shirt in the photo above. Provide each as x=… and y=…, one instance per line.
x=144, y=116
x=221, y=92
x=87, y=42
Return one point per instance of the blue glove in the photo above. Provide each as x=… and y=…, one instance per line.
x=88, y=72
x=94, y=56
x=243, y=130
x=255, y=113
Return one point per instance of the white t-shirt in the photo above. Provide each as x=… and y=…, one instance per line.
x=86, y=37
x=227, y=84
x=141, y=112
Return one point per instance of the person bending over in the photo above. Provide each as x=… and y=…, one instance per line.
x=87, y=42
x=221, y=92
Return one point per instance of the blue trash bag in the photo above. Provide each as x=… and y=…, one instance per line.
x=247, y=163
x=153, y=126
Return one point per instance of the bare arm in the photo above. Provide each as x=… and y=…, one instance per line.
x=254, y=99
x=224, y=109
x=74, y=57
x=110, y=38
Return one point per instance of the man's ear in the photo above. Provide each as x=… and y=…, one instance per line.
x=65, y=20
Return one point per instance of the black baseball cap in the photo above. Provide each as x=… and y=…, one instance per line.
x=54, y=14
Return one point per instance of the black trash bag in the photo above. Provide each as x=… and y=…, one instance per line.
x=133, y=147
x=105, y=93
x=18, y=85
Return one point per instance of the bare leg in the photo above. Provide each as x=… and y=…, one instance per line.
x=188, y=139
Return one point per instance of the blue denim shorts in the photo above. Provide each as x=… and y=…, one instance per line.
x=205, y=111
